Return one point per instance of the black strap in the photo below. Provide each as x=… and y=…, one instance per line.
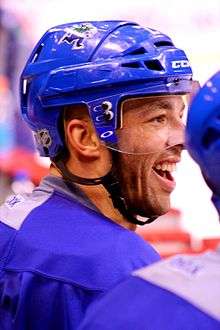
x=68, y=176
x=111, y=184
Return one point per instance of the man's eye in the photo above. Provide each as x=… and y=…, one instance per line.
x=159, y=119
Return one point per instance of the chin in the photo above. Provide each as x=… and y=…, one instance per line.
x=163, y=209
x=152, y=211
x=145, y=208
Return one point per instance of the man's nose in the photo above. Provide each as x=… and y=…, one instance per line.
x=177, y=134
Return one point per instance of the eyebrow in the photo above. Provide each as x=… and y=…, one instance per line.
x=151, y=106
x=162, y=104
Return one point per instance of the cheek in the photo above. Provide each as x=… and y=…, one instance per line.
x=149, y=144
x=136, y=170
x=142, y=140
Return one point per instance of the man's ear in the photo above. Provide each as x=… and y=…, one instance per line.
x=81, y=138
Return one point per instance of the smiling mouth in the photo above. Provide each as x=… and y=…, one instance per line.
x=165, y=170
x=164, y=174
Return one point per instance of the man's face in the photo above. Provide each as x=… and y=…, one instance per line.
x=152, y=141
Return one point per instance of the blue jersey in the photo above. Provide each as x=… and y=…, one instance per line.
x=181, y=293
x=57, y=255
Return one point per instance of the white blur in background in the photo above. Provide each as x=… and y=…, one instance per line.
x=193, y=26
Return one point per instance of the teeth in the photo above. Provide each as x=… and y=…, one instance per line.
x=166, y=167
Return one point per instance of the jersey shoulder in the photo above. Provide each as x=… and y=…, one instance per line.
x=191, y=277
x=158, y=297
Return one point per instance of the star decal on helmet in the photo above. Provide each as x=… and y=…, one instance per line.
x=77, y=34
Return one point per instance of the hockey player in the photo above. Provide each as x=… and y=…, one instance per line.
x=181, y=292
x=105, y=101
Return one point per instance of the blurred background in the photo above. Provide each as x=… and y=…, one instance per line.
x=192, y=224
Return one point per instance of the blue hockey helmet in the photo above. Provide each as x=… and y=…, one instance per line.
x=98, y=64
x=203, y=131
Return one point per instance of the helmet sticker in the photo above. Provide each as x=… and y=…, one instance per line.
x=179, y=64
x=43, y=137
x=107, y=108
x=77, y=34
x=106, y=134
x=104, y=112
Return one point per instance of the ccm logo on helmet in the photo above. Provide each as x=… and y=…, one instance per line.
x=180, y=64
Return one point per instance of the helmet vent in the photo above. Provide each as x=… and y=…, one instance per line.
x=139, y=51
x=37, y=53
x=134, y=65
x=210, y=137
x=163, y=43
x=154, y=65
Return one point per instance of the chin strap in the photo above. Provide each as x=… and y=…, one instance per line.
x=111, y=184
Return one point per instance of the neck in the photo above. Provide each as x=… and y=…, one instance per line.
x=99, y=196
